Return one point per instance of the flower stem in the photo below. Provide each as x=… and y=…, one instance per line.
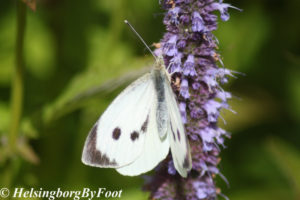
x=17, y=84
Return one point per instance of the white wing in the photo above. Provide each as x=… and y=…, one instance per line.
x=118, y=137
x=178, y=141
x=155, y=150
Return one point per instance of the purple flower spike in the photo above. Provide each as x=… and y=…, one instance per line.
x=171, y=168
x=181, y=44
x=223, y=95
x=184, y=89
x=169, y=47
x=189, y=47
x=189, y=66
x=223, y=8
x=212, y=108
x=182, y=109
x=174, y=15
x=197, y=22
x=176, y=63
x=203, y=190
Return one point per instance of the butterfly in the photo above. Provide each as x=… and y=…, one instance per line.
x=138, y=129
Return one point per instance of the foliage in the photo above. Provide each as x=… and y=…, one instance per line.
x=79, y=55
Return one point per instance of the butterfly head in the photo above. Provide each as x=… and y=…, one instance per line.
x=160, y=67
x=159, y=64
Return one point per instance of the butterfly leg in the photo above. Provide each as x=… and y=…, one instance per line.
x=171, y=63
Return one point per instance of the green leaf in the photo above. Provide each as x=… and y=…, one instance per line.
x=287, y=159
x=40, y=61
x=28, y=129
x=88, y=85
x=4, y=118
x=104, y=63
x=7, y=47
x=242, y=37
x=252, y=108
x=134, y=194
x=261, y=194
x=293, y=79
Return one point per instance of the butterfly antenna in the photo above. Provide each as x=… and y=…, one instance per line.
x=126, y=22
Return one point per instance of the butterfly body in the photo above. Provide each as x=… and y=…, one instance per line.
x=139, y=127
x=159, y=76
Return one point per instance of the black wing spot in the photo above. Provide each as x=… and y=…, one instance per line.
x=172, y=132
x=93, y=156
x=134, y=136
x=186, y=162
x=178, y=134
x=145, y=125
x=116, y=133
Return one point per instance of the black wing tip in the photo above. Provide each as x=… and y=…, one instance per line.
x=187, y=162
x=186, y=166
x=91, y=155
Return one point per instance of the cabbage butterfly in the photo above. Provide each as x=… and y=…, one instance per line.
x=139, y=127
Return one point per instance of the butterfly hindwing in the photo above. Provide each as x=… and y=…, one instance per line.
x=178, y=140
x=118, y=139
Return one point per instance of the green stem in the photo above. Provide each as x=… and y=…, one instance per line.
x=17, y=85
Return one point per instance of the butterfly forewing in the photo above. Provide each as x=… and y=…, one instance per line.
x=155, y=150
x=117, y=139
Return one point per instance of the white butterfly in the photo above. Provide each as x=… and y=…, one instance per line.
x=139, y=127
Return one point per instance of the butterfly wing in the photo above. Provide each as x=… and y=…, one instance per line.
x=155, y=150
x=117, y=139
x=178, y=140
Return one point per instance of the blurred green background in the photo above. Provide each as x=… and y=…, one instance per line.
x=78, y=55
